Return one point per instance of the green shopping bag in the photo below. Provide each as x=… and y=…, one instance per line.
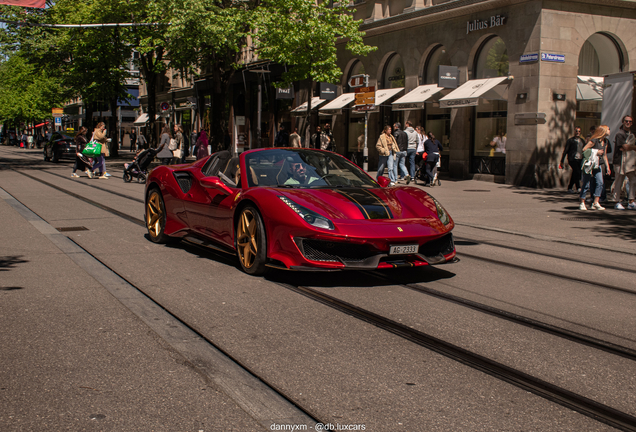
x=93, y=148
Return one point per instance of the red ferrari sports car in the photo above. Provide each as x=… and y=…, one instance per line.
x=297, y=209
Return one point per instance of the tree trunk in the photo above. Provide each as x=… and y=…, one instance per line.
x=149, y=62
x=112, y=129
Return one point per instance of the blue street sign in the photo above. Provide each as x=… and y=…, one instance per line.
x=559, y=58
x=526, y=58
x=58, y=120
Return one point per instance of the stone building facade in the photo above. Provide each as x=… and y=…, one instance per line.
x=550, y=51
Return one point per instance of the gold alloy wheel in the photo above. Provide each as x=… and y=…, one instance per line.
x=247, y=238
x=154, y=214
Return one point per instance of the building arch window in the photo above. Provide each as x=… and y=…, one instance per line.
x=355, y=121
x=491, y=116
x=436, y=119
x=600, y=55
x=438, y=57
x=393, y=75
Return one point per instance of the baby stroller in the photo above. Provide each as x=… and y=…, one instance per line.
x=139, y=166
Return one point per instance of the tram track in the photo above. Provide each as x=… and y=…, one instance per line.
x=546, y=254
x=547, y=273
x=528, y=322
x=561, y=332
x=527, y=382
x=579, y=403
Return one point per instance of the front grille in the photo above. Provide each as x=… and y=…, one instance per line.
x=320, y=250
x=443, y=245
x=184, y=180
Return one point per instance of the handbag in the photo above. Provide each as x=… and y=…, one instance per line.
x=93, y=148
x=173, y=144
x=177, y=153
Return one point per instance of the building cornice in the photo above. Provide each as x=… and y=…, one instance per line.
x=459, y=8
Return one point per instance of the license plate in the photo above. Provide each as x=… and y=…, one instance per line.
x=403, y=249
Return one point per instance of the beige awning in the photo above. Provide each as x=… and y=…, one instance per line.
x=589, y=88
x=416, y=98
x=141, y=120
x=335, y=106
x=302, y=109
x=469, y=93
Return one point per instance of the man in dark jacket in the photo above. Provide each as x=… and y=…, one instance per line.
x=619, y=141
x=574, y=151
x=402, y=140
x=282, y=138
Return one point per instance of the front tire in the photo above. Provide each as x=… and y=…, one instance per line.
x=156, y=217
x=251, y=242
x=56, y=157
x=141, y=178
x=127, y=177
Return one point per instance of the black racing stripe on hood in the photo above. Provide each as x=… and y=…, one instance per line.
x=369, y=204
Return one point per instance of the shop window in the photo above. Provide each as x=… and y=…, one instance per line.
x=491, y=116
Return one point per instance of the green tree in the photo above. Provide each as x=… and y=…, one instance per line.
x=214, y=38
x=25, y=92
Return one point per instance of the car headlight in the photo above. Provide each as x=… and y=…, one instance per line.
x=441, y=212
x=311, y=217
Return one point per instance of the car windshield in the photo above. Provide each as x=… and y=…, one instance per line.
x=303, y=168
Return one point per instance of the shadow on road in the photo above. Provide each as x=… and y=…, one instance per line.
x=9, y=262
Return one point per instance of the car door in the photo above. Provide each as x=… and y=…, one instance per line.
x=209, y=209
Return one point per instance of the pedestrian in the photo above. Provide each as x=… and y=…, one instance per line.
x=178, y=137
x=411, y=150
x=574, y=151
x=30, y=141
x=23, y=139
x=432, y=148
x=315, y=138
x=80, y=143
x=331, y=144
x=142, y=142
x=294, y=139
x=628, y=169
x=420, y=154
x=282, y=137
x=402, y=140
x=133, y=139
x=387, y=148
x=594, y=164
x=165, y=154
x=99, y=165
x=325, y=141
x=498, y=143
x=202, y=145
x=186, y=148
x=619, y=141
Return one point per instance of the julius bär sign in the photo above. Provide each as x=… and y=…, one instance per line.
x=493, y=21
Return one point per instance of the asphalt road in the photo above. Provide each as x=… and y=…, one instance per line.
x=207, y=347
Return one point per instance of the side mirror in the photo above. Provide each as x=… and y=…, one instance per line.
x=215, y=183
x=383, y=181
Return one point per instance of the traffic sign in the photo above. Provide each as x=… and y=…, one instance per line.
x=58, y=120
x=57, y=112
x=356, y=81
x=365, y=96
x=165, y=106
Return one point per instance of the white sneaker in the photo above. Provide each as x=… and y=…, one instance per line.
x=597, y=206
x=74, y=175
x=632, y=206
x=582, y=206
x=89, y=174
x=107, y=175
x=619, y=206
